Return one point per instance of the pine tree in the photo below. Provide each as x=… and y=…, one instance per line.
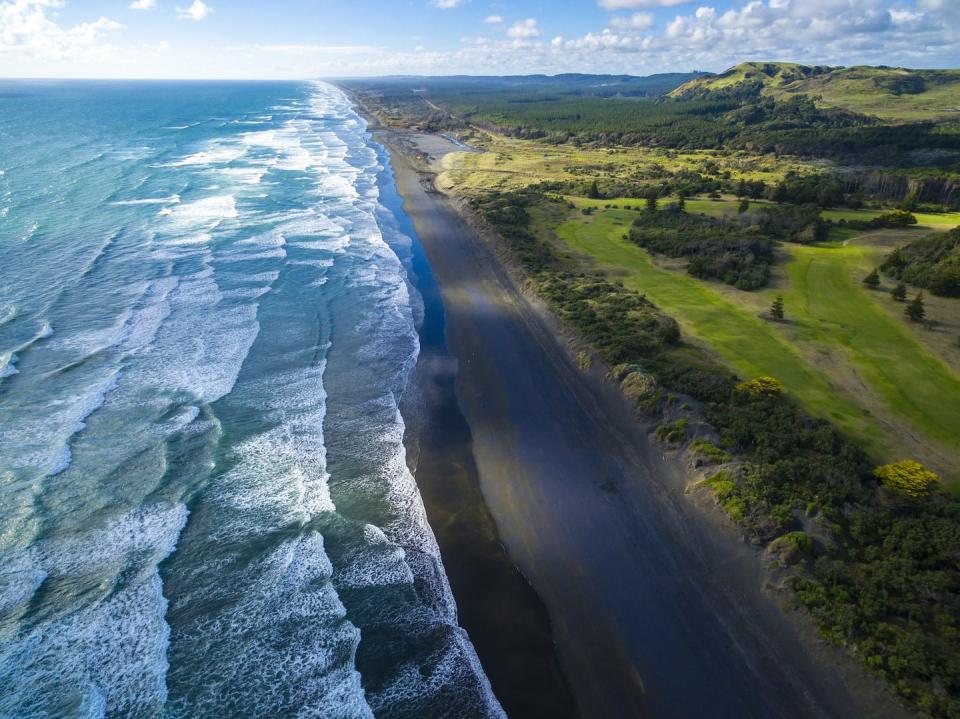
x=899, y=292
x=744, y=206
x=681, y=202
x=593, y=192
x=776, y=309
x=742, y=188
x=872, y=280
x=915, y=310
x=651, y=202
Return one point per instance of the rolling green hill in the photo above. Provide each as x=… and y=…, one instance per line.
x=888, y=93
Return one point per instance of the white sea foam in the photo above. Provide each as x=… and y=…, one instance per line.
x=245, y=175
x=7, y=362
x=170, y=200
x=107, y=656
x=8, y=311
x=286, y=636
x=258, y=615
x=208, y=208
x=215, y=155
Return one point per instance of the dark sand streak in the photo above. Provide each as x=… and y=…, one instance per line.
x=656, y=611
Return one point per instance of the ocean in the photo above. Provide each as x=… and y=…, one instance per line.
x=207, y=320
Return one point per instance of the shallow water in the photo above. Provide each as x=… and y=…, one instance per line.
x=206, y=324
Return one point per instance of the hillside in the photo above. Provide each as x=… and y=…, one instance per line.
x=887, y=93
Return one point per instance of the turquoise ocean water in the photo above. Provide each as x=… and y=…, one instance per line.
x=206, y=323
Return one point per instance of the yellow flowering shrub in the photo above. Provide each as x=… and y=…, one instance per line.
x=908, y=477
x=761, y=387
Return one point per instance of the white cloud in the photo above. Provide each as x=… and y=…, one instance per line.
x=493, y=19
x=639, y=4
x=305, y=50
x=198, y=11
x=446, y=4
x=916, y=33
x=637, y=21
x=26, y=29
x=143, y=4
x=524, y=29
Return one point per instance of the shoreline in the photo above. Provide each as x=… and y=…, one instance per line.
x=503, y=616
x=682, y=629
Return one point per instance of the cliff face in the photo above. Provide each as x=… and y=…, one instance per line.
x=895, y=187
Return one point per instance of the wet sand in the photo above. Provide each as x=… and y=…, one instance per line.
x=656, y=610
x=506, y=620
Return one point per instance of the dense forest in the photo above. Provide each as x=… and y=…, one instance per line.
x=617, y=110
x=734, y=118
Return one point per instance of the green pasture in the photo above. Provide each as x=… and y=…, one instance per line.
x=840, y=353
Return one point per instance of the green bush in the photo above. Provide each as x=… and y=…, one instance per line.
x=710, y=451
x=673, y=431
x=932, y=263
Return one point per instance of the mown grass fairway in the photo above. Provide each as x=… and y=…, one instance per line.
x=840, y=352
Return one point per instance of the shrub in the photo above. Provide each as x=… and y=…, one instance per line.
x=673, y=432
x=888, y=220
x=710, y=451
x=761, y=387
x=799, y=541
x=907, y=477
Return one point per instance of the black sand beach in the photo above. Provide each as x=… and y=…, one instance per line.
x=656, y=610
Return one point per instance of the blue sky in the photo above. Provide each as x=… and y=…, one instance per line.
x=330, y=38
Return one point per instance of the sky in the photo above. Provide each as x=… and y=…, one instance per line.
x=294, y=39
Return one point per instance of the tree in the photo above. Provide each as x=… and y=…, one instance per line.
x=909, y=203
x=872, y=280
x=742, y=188
x=899, y=293
x=593, y=192
x=776, y=309
x=744, y=206
x=681, y=202
x=757, y=189
x=779, y=193
x=915, y=310
x=651, y=202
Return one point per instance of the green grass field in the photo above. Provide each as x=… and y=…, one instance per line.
x=936, y=222
x=840, y=353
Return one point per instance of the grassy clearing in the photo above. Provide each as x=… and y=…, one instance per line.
x=925, y=221
x=509, y=164
x=842, y=353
